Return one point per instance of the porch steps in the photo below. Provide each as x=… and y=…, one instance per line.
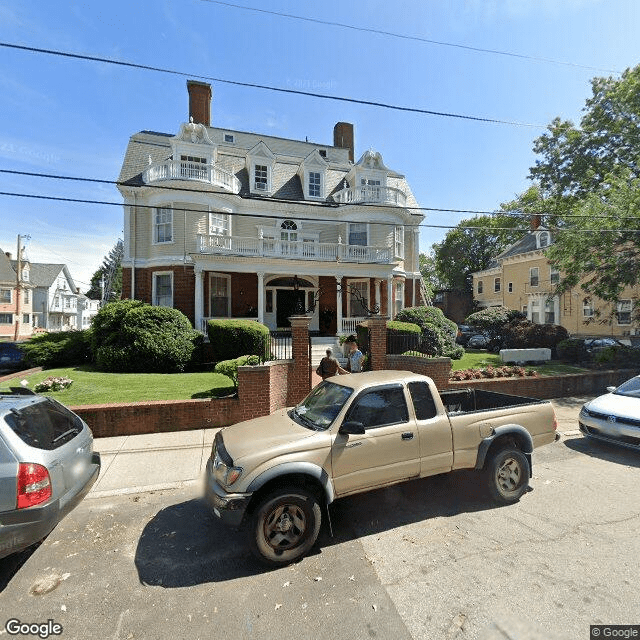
x=319, y=347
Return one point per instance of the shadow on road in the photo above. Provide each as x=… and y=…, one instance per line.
x=185, y=545
x=604, y=451
x=10, y=565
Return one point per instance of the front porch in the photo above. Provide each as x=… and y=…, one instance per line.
x=335, y=304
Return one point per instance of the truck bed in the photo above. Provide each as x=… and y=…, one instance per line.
x=470, y=400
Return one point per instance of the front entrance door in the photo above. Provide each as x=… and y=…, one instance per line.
x=289, y=302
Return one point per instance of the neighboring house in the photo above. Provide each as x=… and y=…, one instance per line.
x=221, y=223
x=87, y=310
x=521, y=278
x=55, y=297
x=456, y=305
x=15, y=305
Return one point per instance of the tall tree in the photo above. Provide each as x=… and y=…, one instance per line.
x=472, y=245
x=429, y=273
x=590, y=177
x=106, y=282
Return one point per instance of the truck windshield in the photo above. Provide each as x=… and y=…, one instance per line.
x=320, y=408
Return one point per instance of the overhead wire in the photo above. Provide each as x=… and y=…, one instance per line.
x=404, y=36
x=333, y=205
x=278, y=215
x=253, y=85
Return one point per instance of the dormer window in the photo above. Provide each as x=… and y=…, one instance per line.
x=315, y=183
x=261, y=177
x=544, y=239
x=260, y=161
x=229, y=138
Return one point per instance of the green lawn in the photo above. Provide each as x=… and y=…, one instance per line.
x=479, y=359
x=96, y=387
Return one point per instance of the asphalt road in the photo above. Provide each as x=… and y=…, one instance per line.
x=431, y=559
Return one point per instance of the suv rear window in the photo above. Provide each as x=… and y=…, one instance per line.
x=45, y=425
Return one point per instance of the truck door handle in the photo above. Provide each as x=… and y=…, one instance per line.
x=408, y=435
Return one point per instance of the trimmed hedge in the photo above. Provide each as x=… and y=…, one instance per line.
x=229, y=368
x=526, y=335
x=572, y=350
x=61, y=349
x=233, y=338
x=130, y=336
x=438, y=333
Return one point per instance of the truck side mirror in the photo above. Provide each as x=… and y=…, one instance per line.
x=352, y=427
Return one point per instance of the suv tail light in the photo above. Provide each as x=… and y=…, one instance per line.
x=34, y=484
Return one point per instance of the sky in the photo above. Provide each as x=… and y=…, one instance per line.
x=68, y=117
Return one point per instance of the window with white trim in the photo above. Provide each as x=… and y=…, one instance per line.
x=480, y=286
x=261, y=177
x=399, y=298
x=535, y=311
x=26, y=319
x=496, y=285
x=26, y=296
x=5, y=296
x=358, y=234
x=315, y=184
x=399, y=242
x=623, y=312
x=587, y=308
x=162, y=295
x=219, y=223
x=25, y=274
x=534, y=276
x=358, y=298
x=549, y=312
x=554, y=276
x=510, y=287
x=6, y=318
x=544, y=239
x=163, y=225
x=219, y=295
x=229, y=138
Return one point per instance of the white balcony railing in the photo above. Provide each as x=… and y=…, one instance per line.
x=349, y=325
x=174, y=170
x=270, y=248
x=373, y=194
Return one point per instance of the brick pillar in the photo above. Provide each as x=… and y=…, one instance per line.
x=300, y=382
x=254, y=391
x=377, y=342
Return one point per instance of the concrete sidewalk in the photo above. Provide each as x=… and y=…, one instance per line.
x=152, y=462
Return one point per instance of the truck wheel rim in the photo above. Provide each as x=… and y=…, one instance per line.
x=285, y=526
x=509, y=475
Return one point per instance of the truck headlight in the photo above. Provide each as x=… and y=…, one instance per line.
x=583, y=412
x=225, y=475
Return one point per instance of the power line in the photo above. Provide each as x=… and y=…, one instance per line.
x=403, y=36
x=277, y=216
x=252, y=85
x=304, y=202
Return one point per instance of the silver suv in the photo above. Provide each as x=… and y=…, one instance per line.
x=47, y=465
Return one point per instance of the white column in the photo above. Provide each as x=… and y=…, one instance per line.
x=339, y=303
x=389, y=298
x=199, y=297
x=261, y=297
x=377, y=283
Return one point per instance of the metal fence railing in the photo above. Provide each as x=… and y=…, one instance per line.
x=280, y=346
x=403, y=342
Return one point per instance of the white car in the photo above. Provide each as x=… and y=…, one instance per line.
x=615, y=416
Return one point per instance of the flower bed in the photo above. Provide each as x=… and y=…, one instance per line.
x=491, y=372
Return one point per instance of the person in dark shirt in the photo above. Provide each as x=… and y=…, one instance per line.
x=329, y=366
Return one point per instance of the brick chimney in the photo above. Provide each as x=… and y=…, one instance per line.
x=536, y=221
x=343, y=137
x=199, y=102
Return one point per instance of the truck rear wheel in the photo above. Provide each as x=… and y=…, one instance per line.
x=284, y=526
x=507, y=473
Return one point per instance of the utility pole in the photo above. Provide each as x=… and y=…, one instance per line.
x=18, y=289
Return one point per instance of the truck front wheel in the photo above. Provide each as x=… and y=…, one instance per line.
x=284, y=526
x=507, y=473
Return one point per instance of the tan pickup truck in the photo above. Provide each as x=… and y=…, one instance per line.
x=279, y=473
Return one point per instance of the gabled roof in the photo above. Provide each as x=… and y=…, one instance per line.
x=527, y=243
x=44, y=274
x=7, y=272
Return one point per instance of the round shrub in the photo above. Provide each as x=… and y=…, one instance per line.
x=61, y=349
x=438, y=333
x=229, y=368
x=232, y=338
x=492, y=321
x=523, y=334
x=131, y=336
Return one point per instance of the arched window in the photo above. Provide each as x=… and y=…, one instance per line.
x=289, y=231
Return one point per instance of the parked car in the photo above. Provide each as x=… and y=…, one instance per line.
x=615, y=416
x=478, y=341
x=277, y=474
x=465, y=331
x=48, y=466
x=11, y=357
x=594, y=345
